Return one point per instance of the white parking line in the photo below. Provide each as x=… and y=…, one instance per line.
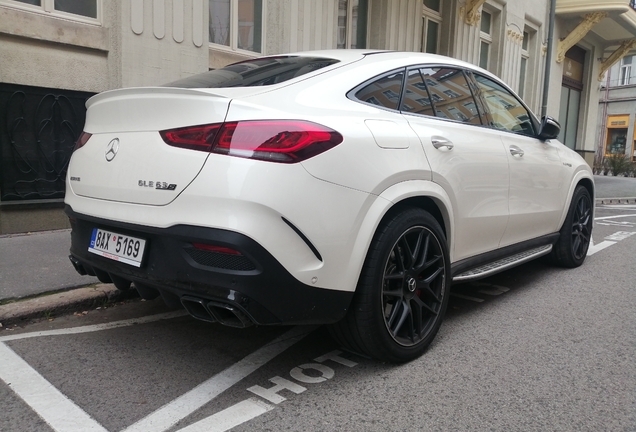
x=49, y=403
x=230, y=417
x=96, y=327
x=594, y=248
x=65, y=416
x=599, y=247
x=170, y=414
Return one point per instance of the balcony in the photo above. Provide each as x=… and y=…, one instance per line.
x=618, y=25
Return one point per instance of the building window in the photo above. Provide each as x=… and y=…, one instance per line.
x=626, y=71
x=352, y=24
x=485, y=43
x=431, y=25
x=237, y=24
x=66, y=8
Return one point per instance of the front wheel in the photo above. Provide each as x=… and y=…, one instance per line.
x=403, y=290
x=576, y=233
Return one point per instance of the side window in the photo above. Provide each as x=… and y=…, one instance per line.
x=416, y=99
x=384, y=92
x=450, y=94
x=503, y=109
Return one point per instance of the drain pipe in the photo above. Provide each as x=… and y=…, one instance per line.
x=548, y=59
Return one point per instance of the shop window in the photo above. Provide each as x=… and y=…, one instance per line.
x=616, y=142
x=352, y=24
x=431, y=26
x=237, y=24
x=67, y=8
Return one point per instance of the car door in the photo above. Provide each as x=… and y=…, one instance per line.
x=466, y=159
x=537, y=175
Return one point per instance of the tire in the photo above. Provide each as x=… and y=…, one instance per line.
x=576, y=233
x=402, y=292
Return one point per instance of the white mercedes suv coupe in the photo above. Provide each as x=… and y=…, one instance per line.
x=347, y=187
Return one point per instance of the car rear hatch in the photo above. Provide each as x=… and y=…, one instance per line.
x=125, y=159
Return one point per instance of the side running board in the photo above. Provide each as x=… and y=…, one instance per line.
x=503, y=264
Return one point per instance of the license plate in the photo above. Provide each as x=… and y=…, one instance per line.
x=118, y=247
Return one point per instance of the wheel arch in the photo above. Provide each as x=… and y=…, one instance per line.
x=582, y=178
x=422, y=194
x=424, y=202
x=588, y=184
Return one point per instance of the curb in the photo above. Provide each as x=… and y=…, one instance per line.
x=61, y=303
x=604, y=201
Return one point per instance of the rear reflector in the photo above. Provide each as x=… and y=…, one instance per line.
x=285, y=141
x=217, y=249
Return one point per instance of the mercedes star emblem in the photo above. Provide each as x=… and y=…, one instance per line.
x=111, y=149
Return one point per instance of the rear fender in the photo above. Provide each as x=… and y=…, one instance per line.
x=389, y=199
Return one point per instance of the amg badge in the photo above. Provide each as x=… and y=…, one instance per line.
x=157, y=185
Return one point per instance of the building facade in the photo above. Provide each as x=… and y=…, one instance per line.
x=56, y=53
x=617, y=112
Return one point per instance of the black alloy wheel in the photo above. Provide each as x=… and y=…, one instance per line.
x=581, y=227
x=576, y=233
x=402, y=292
x=413, y=286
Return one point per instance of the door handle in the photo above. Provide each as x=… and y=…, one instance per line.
x=441, y=143
x=516, y=151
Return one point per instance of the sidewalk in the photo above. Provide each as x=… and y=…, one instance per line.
x=34, y=264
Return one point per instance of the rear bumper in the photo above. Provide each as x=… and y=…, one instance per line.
x=254, y=283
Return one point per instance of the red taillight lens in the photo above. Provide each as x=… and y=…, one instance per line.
x=286, y=141
x=83, y=139
x=217, y=249
x=193, y=138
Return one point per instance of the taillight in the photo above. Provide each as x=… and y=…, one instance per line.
x=83, y=139
x=193, y=138
x=286, y=141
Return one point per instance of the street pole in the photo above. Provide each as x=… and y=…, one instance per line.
x=548, y=59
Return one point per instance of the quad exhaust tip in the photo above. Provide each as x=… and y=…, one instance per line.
x=204, y=310
x=212, y=311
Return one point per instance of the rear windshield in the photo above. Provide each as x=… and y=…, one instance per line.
x=257, y=72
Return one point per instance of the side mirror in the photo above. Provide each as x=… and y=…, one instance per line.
x=549, y=129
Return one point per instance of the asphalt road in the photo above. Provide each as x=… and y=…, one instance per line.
x=533, y=349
